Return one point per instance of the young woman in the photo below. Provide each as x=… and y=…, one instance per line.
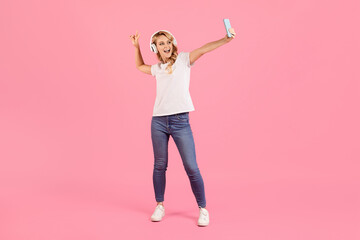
x=171, y=113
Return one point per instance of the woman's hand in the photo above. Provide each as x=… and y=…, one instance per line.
x=134, y=39
x=232, y=31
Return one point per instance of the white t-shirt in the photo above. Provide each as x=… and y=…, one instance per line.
x=172, y=90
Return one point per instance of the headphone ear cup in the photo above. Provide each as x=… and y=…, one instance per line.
x=153, y=48
x=174, y=42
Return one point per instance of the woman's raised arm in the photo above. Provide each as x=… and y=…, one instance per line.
x=138, y=58
x=197, y=53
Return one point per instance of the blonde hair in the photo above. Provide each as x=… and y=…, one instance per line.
x=174, y=54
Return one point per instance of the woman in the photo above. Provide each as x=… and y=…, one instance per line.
x=171, y=113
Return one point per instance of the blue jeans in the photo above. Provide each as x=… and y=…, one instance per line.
x=177, y=126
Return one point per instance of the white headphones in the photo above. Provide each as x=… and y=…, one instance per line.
x=153, y=46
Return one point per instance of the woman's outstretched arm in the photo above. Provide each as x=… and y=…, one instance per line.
x=197, y=53
x=138, y=58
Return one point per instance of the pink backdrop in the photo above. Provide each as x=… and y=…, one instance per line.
x=276, y=124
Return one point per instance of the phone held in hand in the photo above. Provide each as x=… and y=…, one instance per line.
x=227, y=26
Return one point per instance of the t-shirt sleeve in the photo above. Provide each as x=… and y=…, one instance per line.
x=153, y=69
x=186, y=59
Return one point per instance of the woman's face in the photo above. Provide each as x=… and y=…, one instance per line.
x=164, y=46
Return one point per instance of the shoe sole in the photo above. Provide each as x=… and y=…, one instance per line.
x=202, y=225
x=155, y=220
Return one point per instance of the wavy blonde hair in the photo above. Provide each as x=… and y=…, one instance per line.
x=174, y=54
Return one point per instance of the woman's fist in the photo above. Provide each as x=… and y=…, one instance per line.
x=134, y=39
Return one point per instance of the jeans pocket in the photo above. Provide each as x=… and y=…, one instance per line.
x=182, y=116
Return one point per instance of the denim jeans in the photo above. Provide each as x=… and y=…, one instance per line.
x=177, y=126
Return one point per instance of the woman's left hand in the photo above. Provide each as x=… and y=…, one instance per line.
x=232, y=31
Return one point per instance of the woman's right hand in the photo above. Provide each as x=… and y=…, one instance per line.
x=134, y=39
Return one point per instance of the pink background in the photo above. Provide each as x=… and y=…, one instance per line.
x=276, y=124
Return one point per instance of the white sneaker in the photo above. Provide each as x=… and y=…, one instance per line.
x=158, y=214
x=203, y=217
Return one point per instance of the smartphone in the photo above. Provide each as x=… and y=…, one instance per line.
x=227, y=26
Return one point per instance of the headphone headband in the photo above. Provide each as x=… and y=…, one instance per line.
x=153, y=46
